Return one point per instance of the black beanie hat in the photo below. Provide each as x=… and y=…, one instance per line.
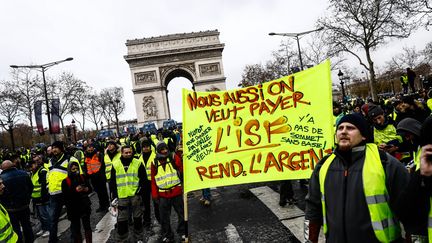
x=374, y=111
x=58, y=144
x=160, y=145
x=426, y=132
x=358, y=121
x=409, y=125
x=145, y=142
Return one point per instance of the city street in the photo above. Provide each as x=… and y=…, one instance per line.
x=243, y=213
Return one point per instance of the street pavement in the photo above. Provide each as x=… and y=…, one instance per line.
x=241, y=213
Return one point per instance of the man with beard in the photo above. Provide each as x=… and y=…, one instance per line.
x=147, y=158
x=355, y=191
x=95, y=169
x=58, y=171
x=111, y=153
x=385, y=135
x=127, y=180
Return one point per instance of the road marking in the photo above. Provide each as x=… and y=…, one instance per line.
x=290, y=216
x=63, y=225
x=104, y=228
x=232, y=234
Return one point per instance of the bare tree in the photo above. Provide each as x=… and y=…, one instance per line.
x=422, y=9
x=68, y=89
x=317, y=51
x=24, y=83
x=81, y=107
x=409, y=57
x=95, y=109
x=9, y=107
x=365, y=25
x=112, y=103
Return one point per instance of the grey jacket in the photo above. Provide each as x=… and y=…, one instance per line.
x=347, y=212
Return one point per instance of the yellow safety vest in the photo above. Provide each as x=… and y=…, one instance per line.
x=385, y=225
x=37, y=188
x=385, y=135
x=166, y=178
x=108, y=164
x=149, y=163
x=7, y=234
x=404, y=79
x=57, y=174
x=127, y=182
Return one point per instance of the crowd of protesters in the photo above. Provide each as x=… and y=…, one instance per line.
x=131, y=173
x=128, y=173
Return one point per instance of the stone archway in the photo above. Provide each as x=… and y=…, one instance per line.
x=155, y=61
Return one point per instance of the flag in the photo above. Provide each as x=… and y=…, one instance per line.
x=55, y=118
x=38, y=117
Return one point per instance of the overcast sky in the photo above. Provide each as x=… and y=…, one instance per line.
x=94, y=33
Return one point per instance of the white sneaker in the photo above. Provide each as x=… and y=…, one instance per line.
x=46, y=234
x=39, y=233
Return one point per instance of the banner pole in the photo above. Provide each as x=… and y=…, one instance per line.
x=185, y=203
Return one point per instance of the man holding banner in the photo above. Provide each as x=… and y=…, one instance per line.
x=354, y=192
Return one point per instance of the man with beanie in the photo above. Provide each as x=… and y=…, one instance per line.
x=58, y=171
x=166, y=174
x=95, y=169
x=384, y=131
x=409, y=130
x=418, y=195
x=111, y=152
x=147, y=158
x=354, y=191
x=127, y=182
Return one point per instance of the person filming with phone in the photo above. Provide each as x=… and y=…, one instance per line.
x=418, y=198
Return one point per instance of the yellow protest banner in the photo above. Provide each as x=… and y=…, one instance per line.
x=273, y=131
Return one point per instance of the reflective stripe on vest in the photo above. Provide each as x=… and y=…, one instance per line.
x=36, y=185
x=417, y=158
x=93, y=164
x=108, y=164
x=7, y=234
x=166, y=178
x=127, y=181
x=149, y=163
x=385, y=226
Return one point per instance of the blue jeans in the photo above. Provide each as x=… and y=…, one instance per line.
x=43, y=212
x=56, y=204
x=206, y=194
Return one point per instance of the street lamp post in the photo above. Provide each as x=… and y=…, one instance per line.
x=340, y=74
x=42, y=68
x=10, y=125
x=297, y=37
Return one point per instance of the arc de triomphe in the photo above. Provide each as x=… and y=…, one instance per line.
x=155, y=61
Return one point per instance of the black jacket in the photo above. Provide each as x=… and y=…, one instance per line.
x=348, y=217
x=18, y=190
x=77, y=203
x=416, y=201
